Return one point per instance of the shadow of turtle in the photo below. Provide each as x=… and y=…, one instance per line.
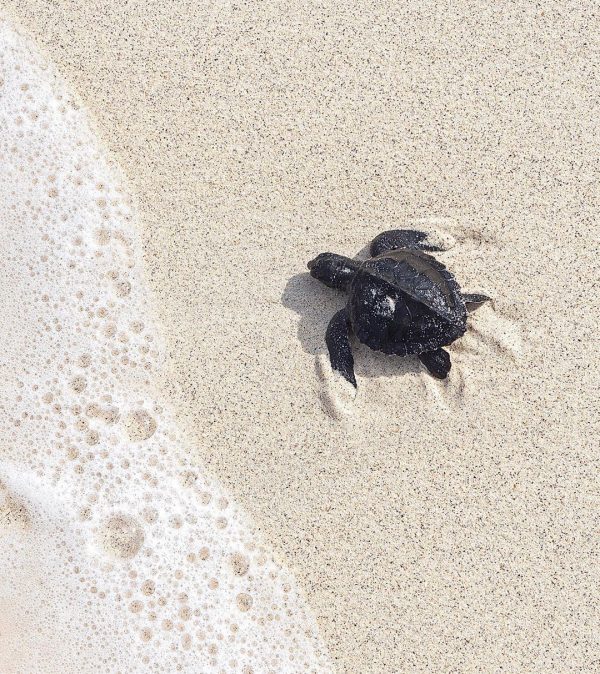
x=316, y=304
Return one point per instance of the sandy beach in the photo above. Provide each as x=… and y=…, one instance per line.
x=434, y=526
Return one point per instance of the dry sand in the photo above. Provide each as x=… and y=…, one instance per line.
x=435, y=526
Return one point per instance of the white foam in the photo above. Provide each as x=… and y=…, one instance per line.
x=117, y=554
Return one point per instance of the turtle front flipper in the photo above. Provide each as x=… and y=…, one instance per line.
x=337, y=339
x=474, y=300
x=401, y=238
x=437, y=362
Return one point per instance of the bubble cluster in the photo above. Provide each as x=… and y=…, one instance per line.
x=239, y=564
x=13, y=511
x=118, y=554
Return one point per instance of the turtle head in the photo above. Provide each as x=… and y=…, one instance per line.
x=335, y=271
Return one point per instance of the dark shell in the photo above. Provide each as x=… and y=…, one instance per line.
x=405, y=302
x=423, y=278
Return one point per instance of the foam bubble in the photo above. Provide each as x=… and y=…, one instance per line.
x=244, y=601
x=140, y=425
x=118, y=554
x=121, y=535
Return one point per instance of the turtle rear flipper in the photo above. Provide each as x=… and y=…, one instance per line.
x=474, y=300
x=437, y=362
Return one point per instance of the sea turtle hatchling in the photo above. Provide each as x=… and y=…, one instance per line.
x=401, y=301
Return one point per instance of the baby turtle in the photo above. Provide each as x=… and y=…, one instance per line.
x=402, y=301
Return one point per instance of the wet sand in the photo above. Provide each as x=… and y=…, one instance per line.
x=434, y=526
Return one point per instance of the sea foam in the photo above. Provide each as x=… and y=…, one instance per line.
x=117, y=553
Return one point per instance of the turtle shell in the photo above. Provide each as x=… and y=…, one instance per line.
x=404, y=302
x=421, y=277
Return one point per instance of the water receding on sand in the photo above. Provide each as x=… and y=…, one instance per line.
x=117, y=554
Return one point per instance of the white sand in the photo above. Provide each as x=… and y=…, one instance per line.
x=436, y=527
